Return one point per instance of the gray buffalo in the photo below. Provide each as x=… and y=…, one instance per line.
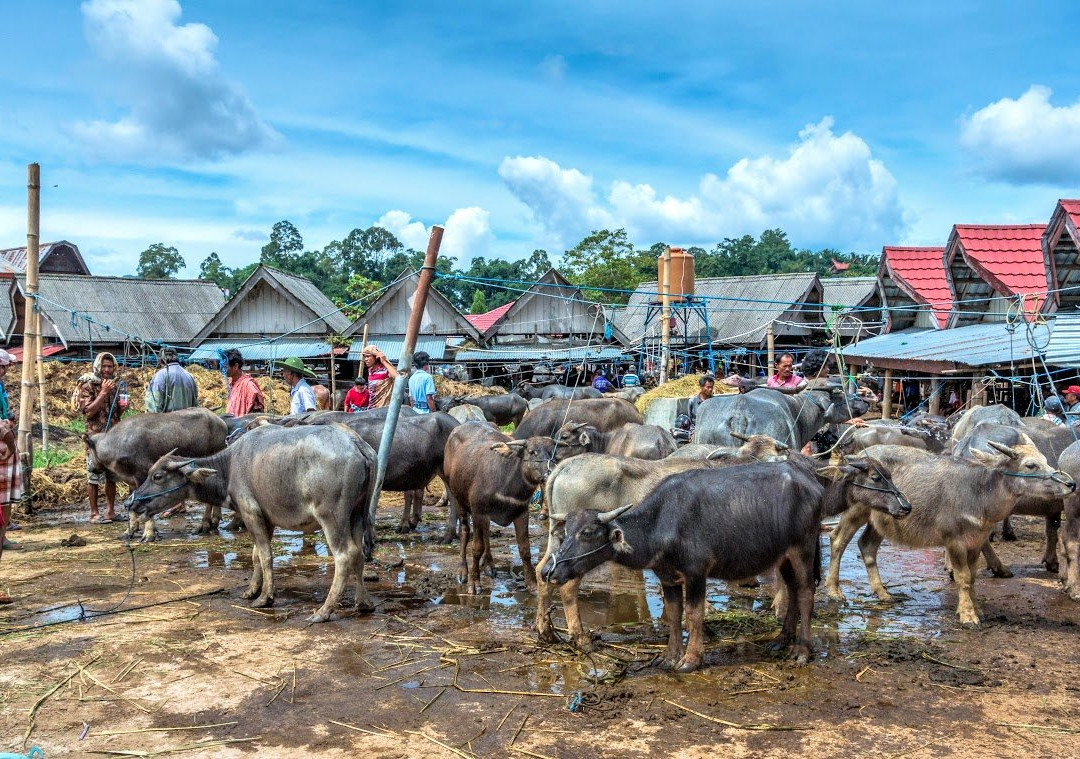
x=303, y=478
x=605, y=414
x=639, y=441
x=508, y=408
x=791, y=419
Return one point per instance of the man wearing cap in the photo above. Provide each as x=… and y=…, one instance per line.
x=245, y=396
x=1053, y=411
x=11, y=488
x=357, y=397
x=1072, y=399
x=301, y=396
x=172, y=388
x=422, y=384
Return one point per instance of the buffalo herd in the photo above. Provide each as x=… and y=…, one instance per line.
x=746, y=498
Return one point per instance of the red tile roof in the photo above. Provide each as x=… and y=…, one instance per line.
x=1009, y=257
x=1072, y=207
x=483, y=322
x=921, y=273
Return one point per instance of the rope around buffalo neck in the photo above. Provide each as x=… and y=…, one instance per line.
x=152, y=496
x=559, y=561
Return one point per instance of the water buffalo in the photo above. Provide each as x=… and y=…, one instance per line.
x=416, y=456
x=724, y=523
x=605, y=414
x=303, y=478
x=754, y=448
x=996, y=413
x=529, y=392
x=1069, y=462
x=130, y=448
x=639, y=441
x=492, y=478
x=467, y=412
x=861, y=438
x=955, y=503
x=601, y=482
x=498, y=409
x=791, y=419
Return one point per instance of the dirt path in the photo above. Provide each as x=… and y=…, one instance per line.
x=431, y=673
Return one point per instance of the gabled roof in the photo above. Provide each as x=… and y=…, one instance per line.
x=171, y=311
x=739, y=308
x=14, y=259
x=298, y=291
x=848, y=292
x=917, y=275
x=483, y=321
x=400, y=295
x=1061, y=254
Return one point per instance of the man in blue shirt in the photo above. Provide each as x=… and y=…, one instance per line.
x=422, y=384
x=301, y=396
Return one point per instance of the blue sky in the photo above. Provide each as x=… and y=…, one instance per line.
x=847, y=124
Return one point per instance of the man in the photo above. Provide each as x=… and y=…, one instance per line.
x=1072, y=399
x=707, y=383
x=630, y=379
x=1053, y=411
x=785, y=376
x=601, y=383
x=11, y=489
x=245, y=396
x=422, y=384
x=357, y=397
x=97, y=398
x=301, y=396
x=172, y=388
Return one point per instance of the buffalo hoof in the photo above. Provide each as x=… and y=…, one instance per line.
x=688, y=665
x=489, y=570
x=236, y=524
x=148, y=539
x=837, y=597
x=1073, y=593
x=1052, y=567
x=1003, y=572
x=250, y=593
x=801, y=655
x=364, y=607
x=1008, y=536
x=318, y=617
x=404, y=527
x=447, y=538
x=262, y=603
x=546, y=634
x=462, y=576
x=205, y=529
x=584, y=642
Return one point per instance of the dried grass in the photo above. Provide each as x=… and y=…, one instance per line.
x=683, y=387
x=448, y=387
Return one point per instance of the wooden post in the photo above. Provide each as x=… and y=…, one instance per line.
x=333, y=380
x=978, y=391
x=39, y=360
x=665, y=318
x=770, y=343
x=26, y=398
x=935, y=396
x=427, y=274
x=886, y=396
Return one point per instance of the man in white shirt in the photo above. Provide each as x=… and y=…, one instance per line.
x=301, y=396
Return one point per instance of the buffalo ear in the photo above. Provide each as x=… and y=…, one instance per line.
x=510, y=448
x=201, y=474
x=89, y=440
x=986, y=459
x=833, y=473
x=861, y=463
x=583, y=438
x=618, y=541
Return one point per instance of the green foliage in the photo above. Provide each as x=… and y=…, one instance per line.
x=54, y=457
x=159, y=262
x=606, y=259
x=479, y=303
x=358, y=287
x=772, y=254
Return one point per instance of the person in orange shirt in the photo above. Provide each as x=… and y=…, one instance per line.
x=245, y=397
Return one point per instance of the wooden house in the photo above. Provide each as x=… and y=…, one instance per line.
x=61, y=257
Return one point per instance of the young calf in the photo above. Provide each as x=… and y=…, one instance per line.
x=301, y=478
x=726, y=524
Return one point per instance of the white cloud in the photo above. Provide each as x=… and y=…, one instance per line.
x=467, y=232
x=828, y=190
x=562, y=200
x=1027, y=140
x=178, y=102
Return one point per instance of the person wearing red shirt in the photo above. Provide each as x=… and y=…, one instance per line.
x=357, y=397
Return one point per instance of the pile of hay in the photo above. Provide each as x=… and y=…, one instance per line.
x=683, y=387
x=448, y=387
x=58, y=486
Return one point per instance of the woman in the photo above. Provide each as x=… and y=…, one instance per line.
x=380, y=376
x=11, y=490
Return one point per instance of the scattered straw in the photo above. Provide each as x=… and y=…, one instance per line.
x=179, y=749
x=164, y=729
x=437, y=742
x=37, y=704
x=1039, y=728
x=764, y=726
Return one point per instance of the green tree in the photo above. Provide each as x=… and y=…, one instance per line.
x=159, y=262
x=606, y=259
x=284, y=247
x=357, y=287
x=479, y=303
x=213, y=270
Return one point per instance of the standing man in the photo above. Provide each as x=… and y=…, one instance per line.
x=601, y=383
x=245, y=397
x=172, y=388
x=1072, y=399
x=422, y=384
x=707, y=383
x=785, y=376
x=97, y=397
x=11, y=483
x=301, y=396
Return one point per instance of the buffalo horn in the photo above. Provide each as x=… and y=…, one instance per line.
x=611, y=516
x=739, y=436
x=1002, y=448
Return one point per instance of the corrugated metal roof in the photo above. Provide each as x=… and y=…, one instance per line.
x=740, y=308
x=847, y=292
x=15, y=258
x=276, y=350
x=307, y=293
x=541, y=353
x=391, y=346
x=975, y=345
x=483, y=322
x=920, y=272
x=1064, y=347
x=167, y=310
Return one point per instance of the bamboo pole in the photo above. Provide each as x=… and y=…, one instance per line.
x=935, y=396
x=665, y=318
x=886, y=396
x=427, y=274
x=770, y=343
x=26, y=398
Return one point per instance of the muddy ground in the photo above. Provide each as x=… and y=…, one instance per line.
x=432, y=673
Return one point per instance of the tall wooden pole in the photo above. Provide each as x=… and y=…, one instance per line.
x=39, y=360
x=886, y=396
x=26, y=397
x=665, y=318
x=427, y=274
x=770, y=344
x=935, y=396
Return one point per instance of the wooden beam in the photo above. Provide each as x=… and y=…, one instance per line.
x=935, y=396
x=886, y=396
